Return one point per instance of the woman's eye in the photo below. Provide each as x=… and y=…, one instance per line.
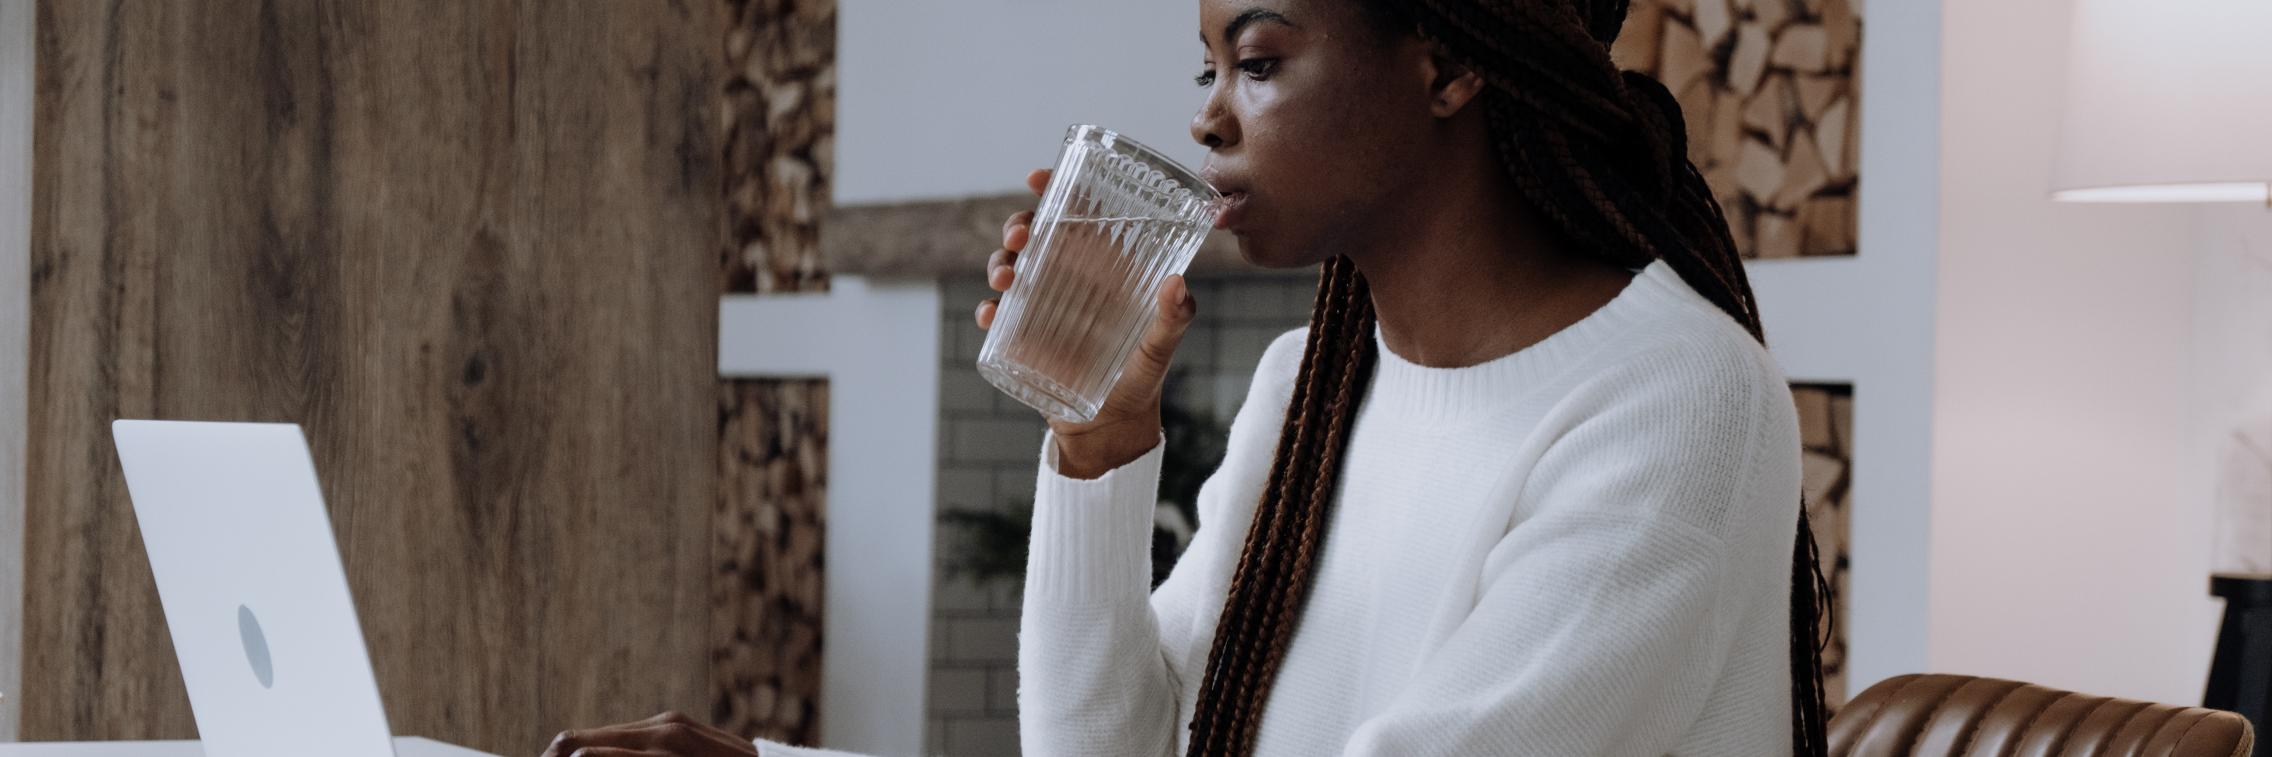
x=1257, y=69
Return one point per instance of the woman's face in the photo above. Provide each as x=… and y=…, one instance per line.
x=1317, y=119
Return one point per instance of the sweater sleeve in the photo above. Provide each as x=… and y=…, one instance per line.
x=1104, y=660
x=767, y=748
x=1092, y=674
x=1607, y=613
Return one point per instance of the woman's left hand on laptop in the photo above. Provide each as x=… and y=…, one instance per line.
x=670, y=734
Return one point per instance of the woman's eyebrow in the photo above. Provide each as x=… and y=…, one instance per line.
x=1248, y=16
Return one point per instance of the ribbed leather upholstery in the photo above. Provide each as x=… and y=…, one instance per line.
x=1965, y=716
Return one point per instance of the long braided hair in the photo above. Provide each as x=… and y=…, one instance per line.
x=1603, y=155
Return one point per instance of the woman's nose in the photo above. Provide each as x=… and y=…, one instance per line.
x=1212, y=125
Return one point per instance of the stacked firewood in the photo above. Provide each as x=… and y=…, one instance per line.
x=766, y=536
x=1826, y=433
x=779, y=123
x=1769, y=89
x=777, y=110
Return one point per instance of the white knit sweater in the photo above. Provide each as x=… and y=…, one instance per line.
x=1580, y=548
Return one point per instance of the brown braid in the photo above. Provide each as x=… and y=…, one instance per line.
x=1273, y=570
x=1603, y=155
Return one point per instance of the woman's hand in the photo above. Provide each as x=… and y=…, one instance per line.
x=667, y=735
x=1128, y=424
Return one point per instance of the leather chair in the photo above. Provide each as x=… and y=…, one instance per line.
x=1965, y=716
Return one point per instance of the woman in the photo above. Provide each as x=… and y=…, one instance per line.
x=1528, y=484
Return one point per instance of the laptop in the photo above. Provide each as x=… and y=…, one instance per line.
x=254, y=594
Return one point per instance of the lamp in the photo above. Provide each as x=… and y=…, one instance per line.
x=2167, y=101
x=2171, y=101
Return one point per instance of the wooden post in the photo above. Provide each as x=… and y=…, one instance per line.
x=470, y=247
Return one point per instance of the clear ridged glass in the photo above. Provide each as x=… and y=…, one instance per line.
x=1117, y=219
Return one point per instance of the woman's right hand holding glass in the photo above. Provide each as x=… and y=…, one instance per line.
x=1128, y=423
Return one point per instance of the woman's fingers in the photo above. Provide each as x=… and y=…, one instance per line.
x=1001, y=270
x=1002, y=266
x=985, y=314
x=1176, y=309
x=1004, y=261
x=667, y=735
x=1018, y=221
x=667, y=717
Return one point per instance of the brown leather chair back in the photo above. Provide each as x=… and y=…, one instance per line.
x=1965, y=716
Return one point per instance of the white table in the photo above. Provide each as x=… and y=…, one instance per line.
x=404, y=746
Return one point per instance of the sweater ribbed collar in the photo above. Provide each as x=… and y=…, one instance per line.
x=1417, y=392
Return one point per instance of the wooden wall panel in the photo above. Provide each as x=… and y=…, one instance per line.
x=469, y=246
x=779, y=110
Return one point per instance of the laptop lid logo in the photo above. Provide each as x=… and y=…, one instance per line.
x=256, y=647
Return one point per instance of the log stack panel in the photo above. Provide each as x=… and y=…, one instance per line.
x=1769, y=90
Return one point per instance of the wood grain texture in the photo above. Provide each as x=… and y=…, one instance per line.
x=933, y=239
x=778, y=106
x=468, y=247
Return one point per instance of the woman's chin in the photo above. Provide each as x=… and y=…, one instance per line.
x=1258, y=251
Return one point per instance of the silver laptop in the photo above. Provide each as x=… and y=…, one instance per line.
x=254, y=594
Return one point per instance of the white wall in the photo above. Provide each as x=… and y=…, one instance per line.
x=1868, y=320
x=2232, y=354
x=945, y=99
x=15, y=321
x=2070, y=535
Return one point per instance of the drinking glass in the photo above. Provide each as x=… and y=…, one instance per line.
x=1117, y=219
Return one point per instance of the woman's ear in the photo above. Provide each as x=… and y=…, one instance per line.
x=1452, y=86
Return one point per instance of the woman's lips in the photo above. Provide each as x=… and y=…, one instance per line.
x=1234, y=210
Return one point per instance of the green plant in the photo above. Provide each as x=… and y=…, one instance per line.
x=993, y=543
